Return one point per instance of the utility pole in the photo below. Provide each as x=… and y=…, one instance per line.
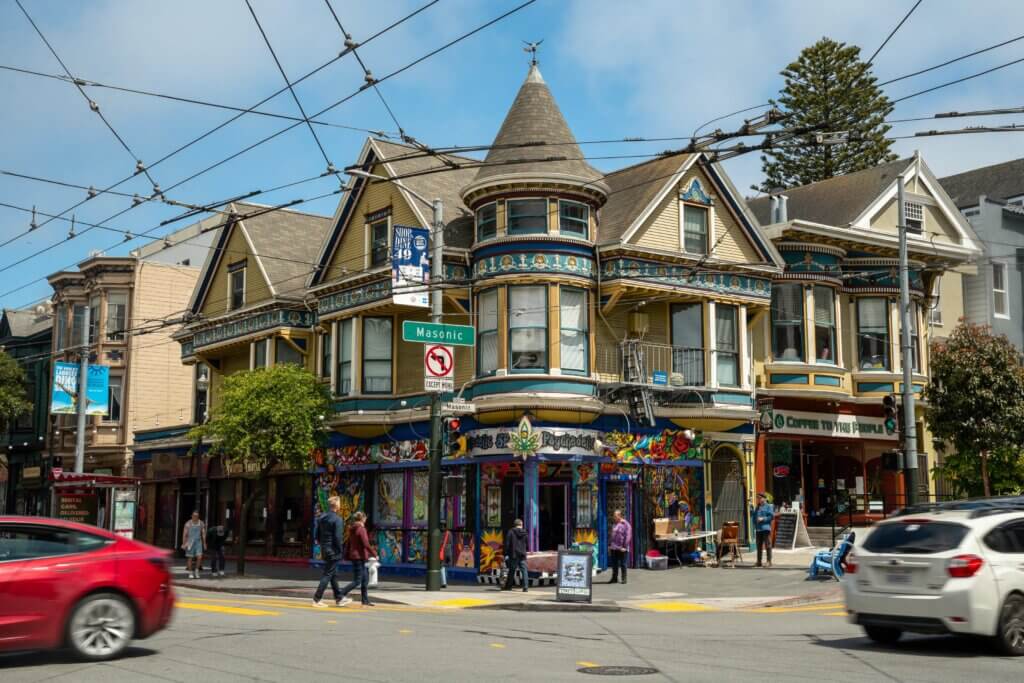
x=907, y=356
x=83, y=392
x=434, y=471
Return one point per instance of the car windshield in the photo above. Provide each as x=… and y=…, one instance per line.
x=917, y=538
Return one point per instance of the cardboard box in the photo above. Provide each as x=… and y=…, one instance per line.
x=666, y=526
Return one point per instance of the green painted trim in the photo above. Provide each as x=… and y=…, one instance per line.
x=512, y=386
x=872, y=387
x=790, y=379
x=828, y=381
x=388, y=403
x=733, y=399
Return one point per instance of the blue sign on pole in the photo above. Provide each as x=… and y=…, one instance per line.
x=98, y=392
x=410, y=266
x=660, y=377
x=66, y=390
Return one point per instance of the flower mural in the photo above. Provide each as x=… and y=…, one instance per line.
x=670, y=444
x=365, y=454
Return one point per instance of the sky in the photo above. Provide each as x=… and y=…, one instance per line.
x=644, y=68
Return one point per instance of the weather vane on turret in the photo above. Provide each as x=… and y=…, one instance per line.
x=532, y=49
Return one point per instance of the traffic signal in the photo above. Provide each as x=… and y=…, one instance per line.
x=892, y=421
x=891, y=461
x=457, y=444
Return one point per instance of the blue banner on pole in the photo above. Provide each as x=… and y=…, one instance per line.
x=98, y=391
x=410, y=266
x=65, y=392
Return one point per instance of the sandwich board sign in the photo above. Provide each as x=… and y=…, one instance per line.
x=575, y=576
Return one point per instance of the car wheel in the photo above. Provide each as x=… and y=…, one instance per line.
x=883, y=634
x=101, y=626
x=1010, y=638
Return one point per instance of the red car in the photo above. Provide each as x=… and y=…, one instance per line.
x=71, y=585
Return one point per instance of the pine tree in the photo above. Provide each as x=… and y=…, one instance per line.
x=828, y=89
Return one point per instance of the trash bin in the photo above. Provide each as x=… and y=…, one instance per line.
x=659, y=562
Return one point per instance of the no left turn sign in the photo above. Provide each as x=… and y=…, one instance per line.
x=438, y=367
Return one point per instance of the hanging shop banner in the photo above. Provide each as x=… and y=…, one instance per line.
x=65, y=390
x=410, y=266
x=830, y=424
x=528, y=440
x=575, y=577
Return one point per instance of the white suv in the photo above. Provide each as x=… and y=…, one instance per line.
x=947, y=568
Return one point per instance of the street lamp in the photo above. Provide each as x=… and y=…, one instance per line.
x=202, y=384
x=436, y=310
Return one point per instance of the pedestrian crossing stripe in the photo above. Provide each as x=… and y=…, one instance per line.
x=674, y=606
x=226, y=609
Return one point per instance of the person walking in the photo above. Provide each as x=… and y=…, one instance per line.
x=193, y=542
x=515, y=555
x=215, y=539
x=446, y=538
x=359, y=551
x=764, y=513
x=619, y=544
x=330, y=530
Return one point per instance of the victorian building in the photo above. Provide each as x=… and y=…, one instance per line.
x=830, y=350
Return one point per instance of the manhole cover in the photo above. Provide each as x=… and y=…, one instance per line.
x=618, y=670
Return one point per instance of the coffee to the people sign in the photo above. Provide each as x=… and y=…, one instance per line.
x=834, y=425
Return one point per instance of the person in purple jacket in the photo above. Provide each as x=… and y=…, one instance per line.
x=619, y=544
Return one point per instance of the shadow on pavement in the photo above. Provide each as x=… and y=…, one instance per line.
x=16, y=660
x=919, y=646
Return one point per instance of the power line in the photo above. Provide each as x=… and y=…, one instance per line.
x=959, y=80
x=952, y=61
x=892, y=33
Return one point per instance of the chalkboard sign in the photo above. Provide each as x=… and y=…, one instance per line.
x=575, y=577
x=785, y=530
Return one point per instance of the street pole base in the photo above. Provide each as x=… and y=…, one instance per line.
x=433, y=579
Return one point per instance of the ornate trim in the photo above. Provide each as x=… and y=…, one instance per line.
x=248, y=325
x=682, y=276
x=813, y=248
x=354, y=296
x=534, y=262
x=696, y=194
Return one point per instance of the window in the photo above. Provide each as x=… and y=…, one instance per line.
x=574, y=331
x=914, y=214
x=94, y=318
x=935, y=309
x=202, y=393
x=379, y=243
x=873, y=333
x=824, y=325
x=377, y=355
x=60, y=324
x=236, y=285
x=727, y=344
x=527, y=216
x=487, y=221
x=788, y=322
x=487, y=330
x=573, y=219
x=915, y=539
x=31, y=543
x=1007, y=538
x=688, y=343
x=326, y=346
x=114, y=393
x=117, y=316
x=528, y=329
x=915, y=344
x=344, y=386
x=77, y=320
x=285, y=352
x=24, y=421
x=1000, y=299
x=695, y=229
x=259, y=353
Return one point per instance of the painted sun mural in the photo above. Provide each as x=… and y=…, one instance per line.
x=491, y=551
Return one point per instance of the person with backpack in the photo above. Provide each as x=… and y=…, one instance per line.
x=330, y=532
x=515, y=555
x=216, y=536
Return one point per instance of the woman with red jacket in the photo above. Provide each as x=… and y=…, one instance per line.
x=358, y=552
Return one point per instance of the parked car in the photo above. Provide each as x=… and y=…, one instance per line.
x=71, y=585
x=949, y=568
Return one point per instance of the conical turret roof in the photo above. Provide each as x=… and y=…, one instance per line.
x=535, y=118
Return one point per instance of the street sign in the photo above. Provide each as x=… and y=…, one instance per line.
x=457, y=406
x=438, y=367
x=438, y=333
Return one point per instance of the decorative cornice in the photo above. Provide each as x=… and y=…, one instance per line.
x=535, y=262
x=683, y=276
x=813, y=248
x=355, y=296
x=248, y=325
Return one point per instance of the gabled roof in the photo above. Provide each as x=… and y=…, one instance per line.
x=284, y=243
x=998, y=181
x=24, y=323
x=535, y=117
x=837, y=201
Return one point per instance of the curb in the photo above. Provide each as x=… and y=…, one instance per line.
x=800, y=600
x=282, y=592
x=544, y=606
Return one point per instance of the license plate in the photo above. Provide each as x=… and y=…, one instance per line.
x=898, y=577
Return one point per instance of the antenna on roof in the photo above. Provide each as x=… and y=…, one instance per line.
x=532, y=49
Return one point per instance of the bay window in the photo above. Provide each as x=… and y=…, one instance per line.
x=94, y=318
x=574, y=331
x=788, y=322
x=824, y=324
x=527, y=216
x=326, y=348
x=77, y=321
x=573, y=219
x=487, y=332
x=727, y=345
x=60, y=325
x=377, y=355
x=286, y=353
x=259, y=356
x=695, y=229
x=915, y=348
x=688, y=343
x=528, y=329
x=344, y=380
x=114, y=399
x=117, y=310
x=873, y=333
x=487, y=221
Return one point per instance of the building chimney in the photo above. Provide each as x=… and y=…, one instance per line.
x=774, y=215
x=783, y=209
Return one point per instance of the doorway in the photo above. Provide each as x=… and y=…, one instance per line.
x=552, y=514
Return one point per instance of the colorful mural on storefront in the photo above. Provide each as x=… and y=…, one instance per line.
x=367, y=454
x=670, y=444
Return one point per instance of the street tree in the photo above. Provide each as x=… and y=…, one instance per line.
x=828, y=89
x=13, y=397
x=265, y=418
x=975, y=403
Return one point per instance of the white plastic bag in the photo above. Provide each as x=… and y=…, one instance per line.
x=371, y=570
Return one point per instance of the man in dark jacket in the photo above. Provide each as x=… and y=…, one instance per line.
x=515, y=555
x=359, y=551
x=330, y=531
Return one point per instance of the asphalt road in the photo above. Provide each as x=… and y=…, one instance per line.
x=237, y=638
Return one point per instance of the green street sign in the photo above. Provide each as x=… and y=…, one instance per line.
x=438, y=333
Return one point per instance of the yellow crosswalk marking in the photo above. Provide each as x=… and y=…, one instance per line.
x=586, y=664
x=833, y=614
x=674, y=606
x=225, y=609
x=799, y=608
x=462, y=602
x=497, y=646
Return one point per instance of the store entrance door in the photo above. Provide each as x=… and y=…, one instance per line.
x=553, y=513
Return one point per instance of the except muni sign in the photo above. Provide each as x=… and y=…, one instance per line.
x=830, y=424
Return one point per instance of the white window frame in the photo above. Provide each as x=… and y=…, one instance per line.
x=914, y=211
x=231, y=277
x=338, y=362
x=710, y=213
x=935, y=311
x=116, y=334
x=483, y=332
x=390, y=359
x=368, y=230
x=508, y=215
x=997, y=291
x=476, y=217
x=584, y=330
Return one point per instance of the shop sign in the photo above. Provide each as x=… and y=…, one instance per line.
x=527, y=440
x=31, y=474
x=575, y=576
x=831, y=424
x=781, y=471
x=77, y=507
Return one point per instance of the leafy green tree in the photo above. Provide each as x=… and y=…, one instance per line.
x=976, y=407
x=13, y=399
x=828, y=89
x=1005, y=470
x=265, y=418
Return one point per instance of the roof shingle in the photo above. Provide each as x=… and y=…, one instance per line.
x=999, y=181
x=631, y=190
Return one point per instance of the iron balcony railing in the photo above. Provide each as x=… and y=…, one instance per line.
x=654, y=365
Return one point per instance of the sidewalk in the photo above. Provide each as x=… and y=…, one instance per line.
x=676, y=589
